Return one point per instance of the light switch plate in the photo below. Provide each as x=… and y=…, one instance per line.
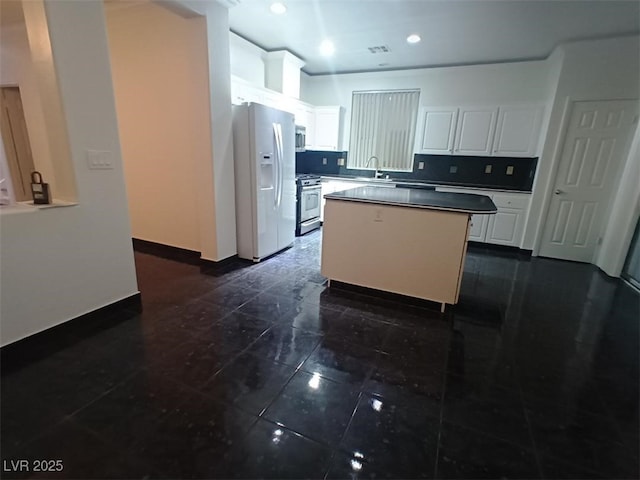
x=488, y=168
x=100, y=159
x=324, y=161
x=341, y=162
x=453, y=169
x=420, y=165
x=510, y=170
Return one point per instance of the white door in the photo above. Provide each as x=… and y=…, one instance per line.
x=596, y=143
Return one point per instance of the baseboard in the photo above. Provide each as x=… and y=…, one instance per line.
x=177, y=254
x=499, y=249
x=383, y=295
x=224, y=263
x=184, y=255
x=42, y=344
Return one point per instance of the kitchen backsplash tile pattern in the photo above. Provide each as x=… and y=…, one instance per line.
x=319, y=162
x=512, y=173
x=508, y=173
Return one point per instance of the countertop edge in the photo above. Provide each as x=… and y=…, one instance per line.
x=390, y=182
x=411, y=205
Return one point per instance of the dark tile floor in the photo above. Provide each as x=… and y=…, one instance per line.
x=262, y=371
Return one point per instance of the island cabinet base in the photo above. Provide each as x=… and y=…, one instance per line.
x=410, y=251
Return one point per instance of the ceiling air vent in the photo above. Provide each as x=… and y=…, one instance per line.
x=380, y=49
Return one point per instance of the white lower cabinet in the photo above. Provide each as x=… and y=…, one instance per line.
x=478, y=227
x=506, y=226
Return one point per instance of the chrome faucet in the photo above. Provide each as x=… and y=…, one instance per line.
x=378, y=173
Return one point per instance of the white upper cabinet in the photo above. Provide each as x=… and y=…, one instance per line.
x=474, y=134
x=327, y=128
x=505, y=131
x=306, y=117
x=322, y=124
x=518, y=131
x=437, y=129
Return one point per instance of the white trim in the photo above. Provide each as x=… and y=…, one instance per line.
x=555, y=166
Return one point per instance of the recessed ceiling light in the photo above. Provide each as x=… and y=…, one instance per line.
x=327, y=48
x=413, y=38
x=278, y=8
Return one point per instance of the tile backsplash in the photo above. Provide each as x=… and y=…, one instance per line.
x=508, y=173
x=320, y=162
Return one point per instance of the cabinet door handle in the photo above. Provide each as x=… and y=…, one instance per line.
x=559, y=192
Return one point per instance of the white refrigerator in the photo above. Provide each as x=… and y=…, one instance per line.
x=264, y=160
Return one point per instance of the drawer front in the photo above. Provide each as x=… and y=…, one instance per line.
x=511, y=201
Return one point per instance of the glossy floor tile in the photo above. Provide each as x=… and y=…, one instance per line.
x=261, y=371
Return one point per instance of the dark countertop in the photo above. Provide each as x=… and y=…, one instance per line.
x=418, y=198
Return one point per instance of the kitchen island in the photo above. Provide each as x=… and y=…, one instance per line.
x=406, y=241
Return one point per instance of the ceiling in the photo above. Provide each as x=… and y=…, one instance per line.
x=454, y=32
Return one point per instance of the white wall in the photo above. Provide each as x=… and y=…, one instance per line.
x=216, y=190
x=625, y=212
x=160, y=85
x=507, y=83
x=591, y=70
x=217, y=18
x=60, y=263
x=247, y=60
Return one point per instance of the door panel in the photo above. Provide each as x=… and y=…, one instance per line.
x=287, y=208
x=265, y=165
x=474, y=135
x=505, y=227
x=595, y=146
x=438, y=130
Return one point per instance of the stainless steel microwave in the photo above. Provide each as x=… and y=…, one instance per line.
x=301, y=138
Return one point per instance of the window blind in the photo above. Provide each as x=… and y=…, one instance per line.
x=383, y=124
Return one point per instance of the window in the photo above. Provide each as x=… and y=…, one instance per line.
x=383, y=124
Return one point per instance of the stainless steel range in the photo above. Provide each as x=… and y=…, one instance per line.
x=309, y=197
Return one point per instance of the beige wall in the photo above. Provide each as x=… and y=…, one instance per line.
x=162, y=101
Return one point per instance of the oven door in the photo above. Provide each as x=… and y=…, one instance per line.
x=310, y=202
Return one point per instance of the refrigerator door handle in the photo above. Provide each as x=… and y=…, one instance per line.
x=276, y=163
x=280, y=165
x=279, y=154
